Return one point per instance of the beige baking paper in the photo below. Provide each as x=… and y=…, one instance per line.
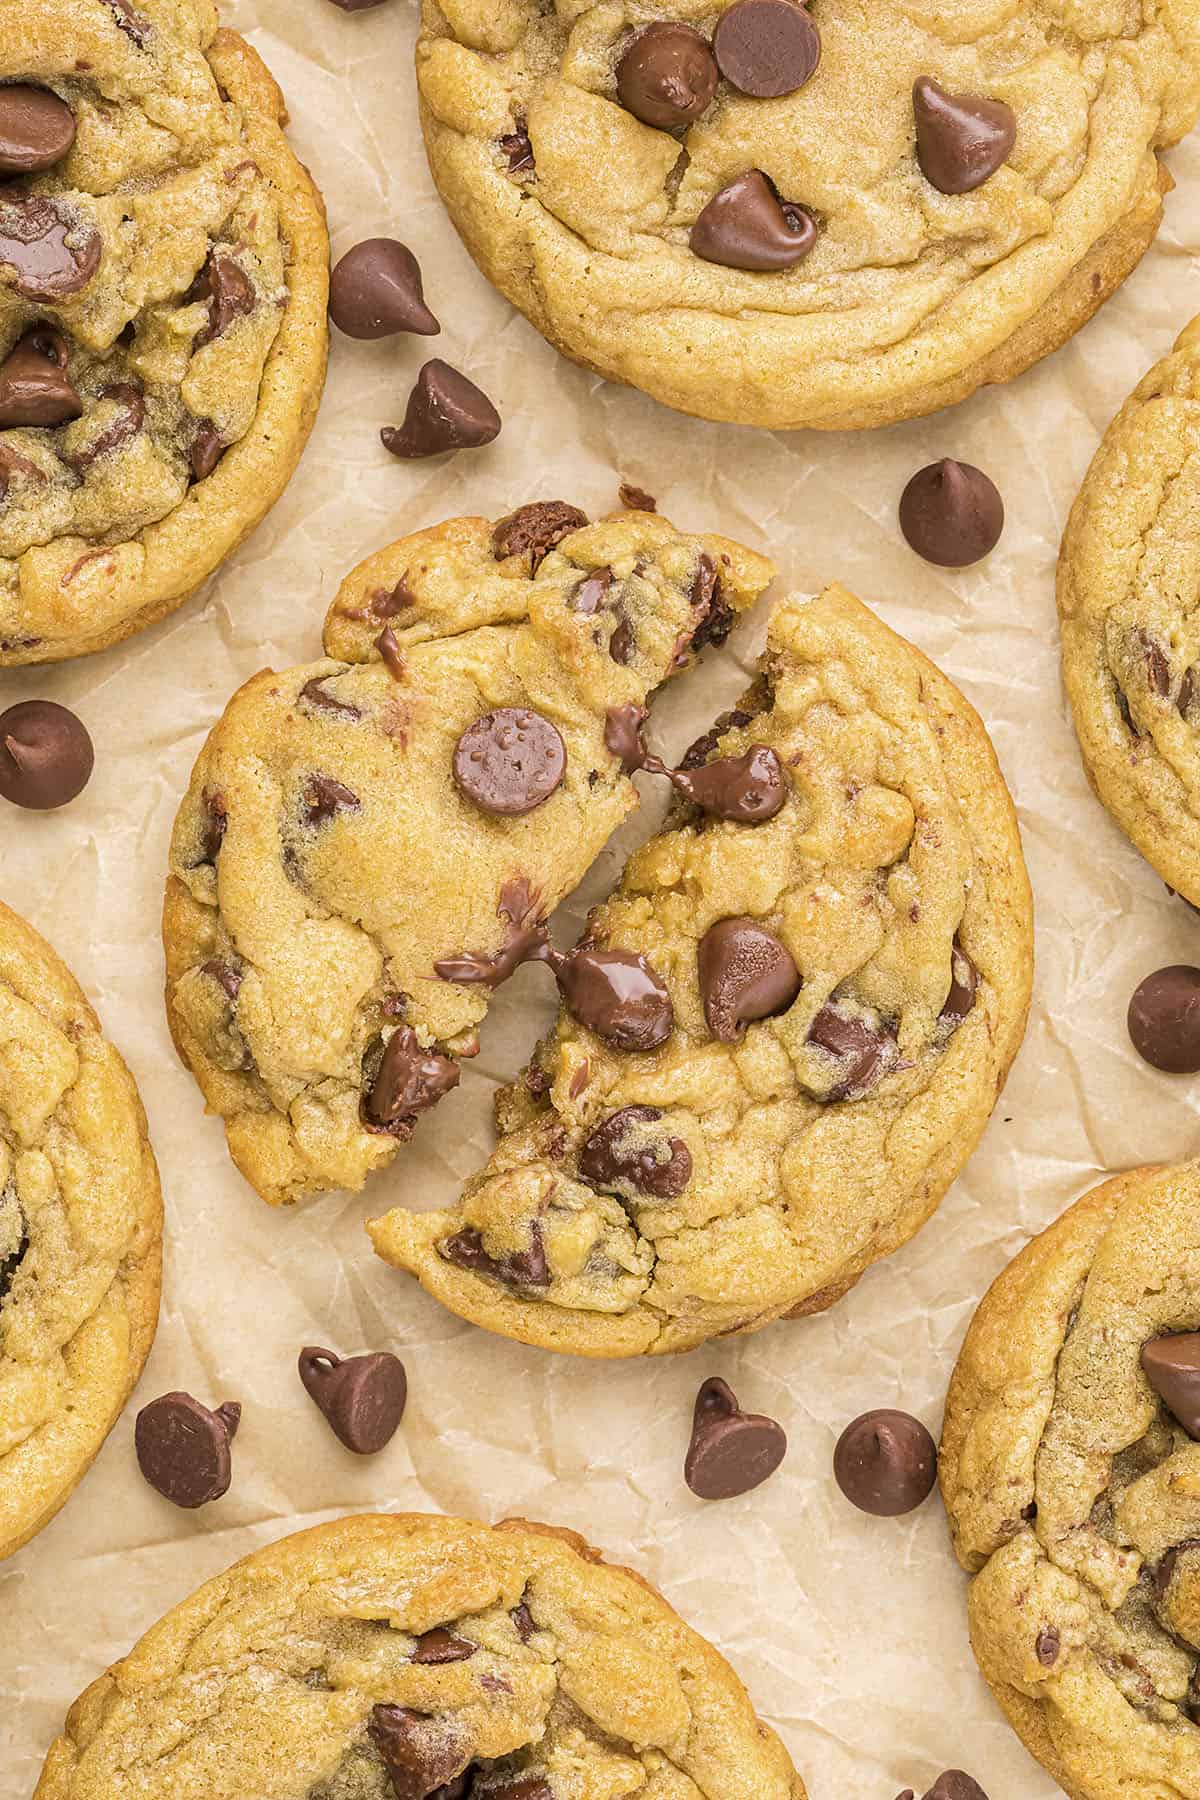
x=849, y=1632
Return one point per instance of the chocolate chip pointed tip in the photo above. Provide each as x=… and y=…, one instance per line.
x=731, y=1452
x=962, y=139
x=376, y=290
x=46, y=755
x=182, y=1448
x=361, y=1397
x=951, y=514
x=446, y=411
x=1164, y=1019
x=885, y=1463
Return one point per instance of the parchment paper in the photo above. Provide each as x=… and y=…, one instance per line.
x=849, y=1632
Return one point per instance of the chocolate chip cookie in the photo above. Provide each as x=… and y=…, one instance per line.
x=372, y=842
x=829, y=216
x=399, y=1657
x=782, y=1036
x=163, y=278
x=80, y=1234
x=1069, y=1468
x=1128, y=587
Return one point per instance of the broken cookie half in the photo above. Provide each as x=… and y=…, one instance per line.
x=370, y=843
x=779, y=1040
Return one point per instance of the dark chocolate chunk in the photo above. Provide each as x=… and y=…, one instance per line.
x=731, y=1451
x=745, y=974
x=885, y=1463
x=409, y=1081
x=616, y=994
x=951, y=513
x=961, y=138
x=517, y=150
x=1172, y=1367
x=317, y=695
x=766, y=47
x=324, y=798
x=205, y=450
x=183, y=1448
x=519, y=1268
x=535, y=530
x=35, y=388
x=441, y=1646
x=46, y=755
x=523, y=1620
x=866, y=1051
x=1047, y=1647
x=445, y=412
x=667, y=75
x=362, y=1397
x=964, y=984
x=747, y=226
x=418, y=1752
x=36, y=129
x=616, y=1153
x=376, y=290
x=510, y=761
x=1164, y=1019
x=49, y=250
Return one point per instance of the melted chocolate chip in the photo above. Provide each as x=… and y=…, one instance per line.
x=535, y=530
x=1164, y=1019
x=34, y=386
x=866, y=1051
x=228, y=975
x=623, y=735
x=519, y=1268
x=588, y=595
x=964, y=983
x=376, y=291
x=731, y=1452
x=616, y=994
x=390, y=654
x=1158, y=669
x=951, y=514
x=212, y=835
x=622, y=645
x=667, y=75
x=48, y=251
x=439, y=1646
x=205, y=450
x=13, y=463
x=362, y=1397
x=766, y=48
x=1047, y=1647
x=136, y=28
x=616, y=1153
x=229, y=292
x=962, y=139
x=445, y=412
x=130, y=417
x=747, y=226
x=37, y=129
x=510, y=761
x=517, y=150
x=324, y=798
x=409, y=1081
x=183, y=1448
x=885, y=1463
x=46, y=755
x=520, y=910
x=1172, y=1367
x=317, y=695
x=746, y=789
x=523, y=1620
x=418, y=1754
x=745, y=974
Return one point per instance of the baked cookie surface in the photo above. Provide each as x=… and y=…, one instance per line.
x=80, y=1234
x=367, y=841
x=1129, y=607
x=1072, y=1490
x=404, y=1656
x=163, y=283
x=862, y=293
x=845, y=983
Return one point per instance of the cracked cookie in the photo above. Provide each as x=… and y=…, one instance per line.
x=836, y=216
x=780, y=1038
x=1071, y=1474
x=1129, y=607
x=163, y=278
x=370, y=843
x=80, y=1234
x=410, y=1656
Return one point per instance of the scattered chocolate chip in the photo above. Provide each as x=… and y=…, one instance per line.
x=445, y=412
x=766, y=47
x=1164, y=1018
x=517, y=149
x=616, y=994
x=183, y=1448
x=535, y=530
x=964, y=983
x=731, y=1451
x=885, y=1463
x=317, y=695
x=376, y=291
x=588, y=595
x=34, y=386
x=324, y=798
x=362, y=1397
x=36, y=129
x=636, y=498
x=510, y=761
x=747, y=789
x=616, y=1152
x=418, y=1754
x=951, y=513
x=961, y=138
x=667, y=75
x=523, y=1620
x=441, y=1646
x=745, y=974
x=49, y=251
x=1172, y=1367
x=747, y=226
x=410, y=1080
x=46, y=755
x=865, y=1050
x=1158, y=669
x=229, y=292
x=1047, y=1647
x=205, y=450
x=519, y=1268
x=623, y=735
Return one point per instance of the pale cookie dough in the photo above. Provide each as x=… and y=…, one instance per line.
x=327, y=856
x=1129, y=604
x=393, y=1658
x=1074, y=1495
x=763, y=1168
x=80, y=1234
x=184, y=309
x=911, y=298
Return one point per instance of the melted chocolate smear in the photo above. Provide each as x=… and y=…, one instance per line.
x=520, y=1268
x=866, y=1051
x=611, y=1156
x=746, y=790
x=317, y=695
x=525, y=939
x=623, y=735
x=229, y=292
x=390, y=654
x=410, y=1080
x=616, y=994
x=13, y=463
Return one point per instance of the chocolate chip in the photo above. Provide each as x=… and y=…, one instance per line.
x=130, y=417
x=964, y=983
x=636, y=498
x=1164, y=1018
x=205, y=450
x=49, y=251
x=137, y=29
x=317, y=695
x=36, y=129
x=731, y=1451
x=623, y=735
x=510, y=761
x=961, y=138
x=13, y=463
x=588, y=595
x=34, y=386
x=324, y=798
x=746, y=789
x=183, y=1448
x=616, y=1152
x=362, y=1397
x=229, y=292
x=410, y=1080
x=865, y=1050
x=523, y=1620
x=519, y=1268
x=745, y=974
x=1158, y=669
x=441, y=1646
x=376, y=291
x=226, y=974
x=667, y=76
x=954, y=1785
x=766, y=47
x=747, y=226
x=46, y=755
x=623, y=642
x=535, y=530
x=445, y=412
x=1047, y=1647
x=616, y=994
x=951, y=513
x=1172, y=1367
x=215, y=821
x=517, y=149
x=390, y=654
x=418, y=1754
x=885, y=1463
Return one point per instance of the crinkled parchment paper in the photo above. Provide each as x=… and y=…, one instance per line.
x=849, y=1632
